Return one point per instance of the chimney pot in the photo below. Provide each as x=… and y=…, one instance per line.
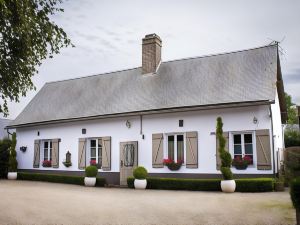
x=151, y=53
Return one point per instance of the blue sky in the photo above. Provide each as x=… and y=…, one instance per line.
x=107, y=35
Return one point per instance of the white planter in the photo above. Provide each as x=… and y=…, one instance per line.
x=140, y=184
x=228, y=186
x=90, y=181
x=12, y=175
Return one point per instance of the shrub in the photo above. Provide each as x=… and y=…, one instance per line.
x=140, y=173
x=91, y=171
x=291, y=138
x=5, y=145
x=295, y=192
x=13, y=163
x=242, y=185
x=53, y=178
x=225, y=156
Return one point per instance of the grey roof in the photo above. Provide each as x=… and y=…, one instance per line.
x=242, y=76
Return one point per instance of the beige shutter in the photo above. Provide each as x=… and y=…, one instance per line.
x=157, y=151
x=81, y=153
x=263, y=150
x=36, y=154
x=55, y=153
x=226, y=136
x=191, y=149
x=106, y=153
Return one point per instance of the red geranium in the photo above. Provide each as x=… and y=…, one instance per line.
x=47, y=163
x=93, y=162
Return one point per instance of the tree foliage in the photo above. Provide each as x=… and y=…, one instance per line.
x=4, y=156
x=226, y=159
x=27, y=36
x=291, y=110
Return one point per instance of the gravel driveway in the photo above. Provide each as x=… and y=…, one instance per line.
x=26, y=202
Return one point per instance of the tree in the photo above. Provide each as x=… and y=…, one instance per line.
x=12, y=162
x=291, y=110
x=27, y=36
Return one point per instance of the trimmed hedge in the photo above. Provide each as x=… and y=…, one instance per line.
x=53, y=178
x=242, y=185
x=295, y=192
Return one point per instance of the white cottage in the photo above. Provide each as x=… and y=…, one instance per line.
x=144, y=115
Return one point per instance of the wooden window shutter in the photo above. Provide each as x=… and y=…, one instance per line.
x=157, y=151
x=191, y=149
x=36, y=154
x=106, y=153
x=226, y=136
x=55, y=153
x=82, y=153
x=263, y=150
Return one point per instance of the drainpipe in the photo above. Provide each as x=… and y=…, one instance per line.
x=8, y=133
x=273, y=150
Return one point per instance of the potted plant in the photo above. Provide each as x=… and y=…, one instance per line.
x=90, y=176
x=47, y=163
x=12, y=162
x=140, y=174
x=172, y=165
x=228, y=184
x=241, y=163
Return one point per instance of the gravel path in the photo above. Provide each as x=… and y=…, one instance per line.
x=26, y=202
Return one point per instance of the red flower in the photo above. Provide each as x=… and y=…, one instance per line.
x=93, y=162
x=47, y=163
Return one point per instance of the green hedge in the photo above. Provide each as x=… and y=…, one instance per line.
x=53, y=178
x=242, y=185
x=295, y=192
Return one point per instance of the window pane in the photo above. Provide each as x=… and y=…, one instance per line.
x=237, y=139
x=50, y=154
x=93, y=152
x=129, y=155
x=46, y=144
x=46, y=154
x=248, y=138
x=93, y=143
x=248, y=149
x=50, y=144
x=180, y=148
x=237, y=149
x=171, y=147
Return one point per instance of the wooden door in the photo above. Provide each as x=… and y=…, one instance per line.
x=128, y=160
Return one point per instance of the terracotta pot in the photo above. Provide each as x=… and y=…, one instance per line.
x=12, y=175
x=140, y=184
x=90, y=181
x=228, y=186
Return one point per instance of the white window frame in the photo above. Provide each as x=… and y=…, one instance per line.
x=88, y=155
x=231, y=144
x=49, y=150
x=175, y=145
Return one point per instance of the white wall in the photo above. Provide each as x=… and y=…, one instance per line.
x=204, y=122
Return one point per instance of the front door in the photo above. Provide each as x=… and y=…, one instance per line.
x=128, y=160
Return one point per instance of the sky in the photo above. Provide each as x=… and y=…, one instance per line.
x=107, y=35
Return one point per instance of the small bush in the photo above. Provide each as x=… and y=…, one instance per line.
x=242, y=185
x=295, y=192
x=91, y=171
x=53, y=178
x=291, y=138
x=140, y=173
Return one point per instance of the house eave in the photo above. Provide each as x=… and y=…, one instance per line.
x=147, y=112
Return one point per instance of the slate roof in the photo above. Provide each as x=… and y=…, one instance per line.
x=243, y=76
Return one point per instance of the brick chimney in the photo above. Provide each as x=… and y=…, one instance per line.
x=151, y=53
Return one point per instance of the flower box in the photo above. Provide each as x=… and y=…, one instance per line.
x=172, y=165
x=241, y=163
x=47, y=163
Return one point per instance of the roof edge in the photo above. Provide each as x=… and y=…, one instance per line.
x=148, y=112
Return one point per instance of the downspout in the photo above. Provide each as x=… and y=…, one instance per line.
x=272, y=135
x=141, y=127
x=8, y=133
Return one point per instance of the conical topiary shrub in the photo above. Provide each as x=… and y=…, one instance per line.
x=12, y=162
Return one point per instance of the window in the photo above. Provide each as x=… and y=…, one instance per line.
x=48, y=150
x=243, y=145
x=96, y=152
x=176, y=147
x=129, y=155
